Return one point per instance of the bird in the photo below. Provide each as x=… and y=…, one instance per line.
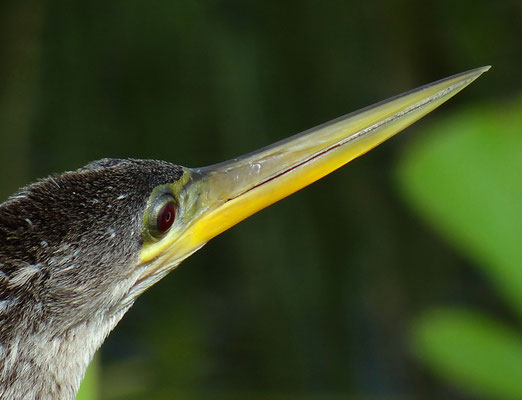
x=78, y=248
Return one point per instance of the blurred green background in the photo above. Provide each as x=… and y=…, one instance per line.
x=397, y=277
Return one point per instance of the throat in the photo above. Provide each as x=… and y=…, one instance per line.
x=40, y=366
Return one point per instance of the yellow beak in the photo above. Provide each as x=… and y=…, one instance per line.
x=217, y=197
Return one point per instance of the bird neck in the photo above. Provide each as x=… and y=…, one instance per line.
x=40, y=366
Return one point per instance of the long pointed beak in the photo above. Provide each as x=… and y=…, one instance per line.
x=217, y=197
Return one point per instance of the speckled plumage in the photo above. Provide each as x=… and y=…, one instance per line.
x=69, y=245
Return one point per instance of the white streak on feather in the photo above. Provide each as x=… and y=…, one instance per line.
x=24, y=274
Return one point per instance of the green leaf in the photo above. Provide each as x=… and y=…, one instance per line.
x=465, y=178
x=472, y=351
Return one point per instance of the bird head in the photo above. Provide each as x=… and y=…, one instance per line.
x=77, y=249
x=70, y=244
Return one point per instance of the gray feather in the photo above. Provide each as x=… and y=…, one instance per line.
x=68, y=247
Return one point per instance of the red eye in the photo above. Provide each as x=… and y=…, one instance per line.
x=166, y=217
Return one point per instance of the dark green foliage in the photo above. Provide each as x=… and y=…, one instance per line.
x=312, y=298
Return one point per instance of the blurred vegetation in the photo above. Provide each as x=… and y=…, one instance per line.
x=464, y=179
x=313, y=298
x=89, y=388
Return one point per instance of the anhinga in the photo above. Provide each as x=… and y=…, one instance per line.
x=77, y=249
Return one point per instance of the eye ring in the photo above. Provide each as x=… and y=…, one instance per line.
x=162, y=215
